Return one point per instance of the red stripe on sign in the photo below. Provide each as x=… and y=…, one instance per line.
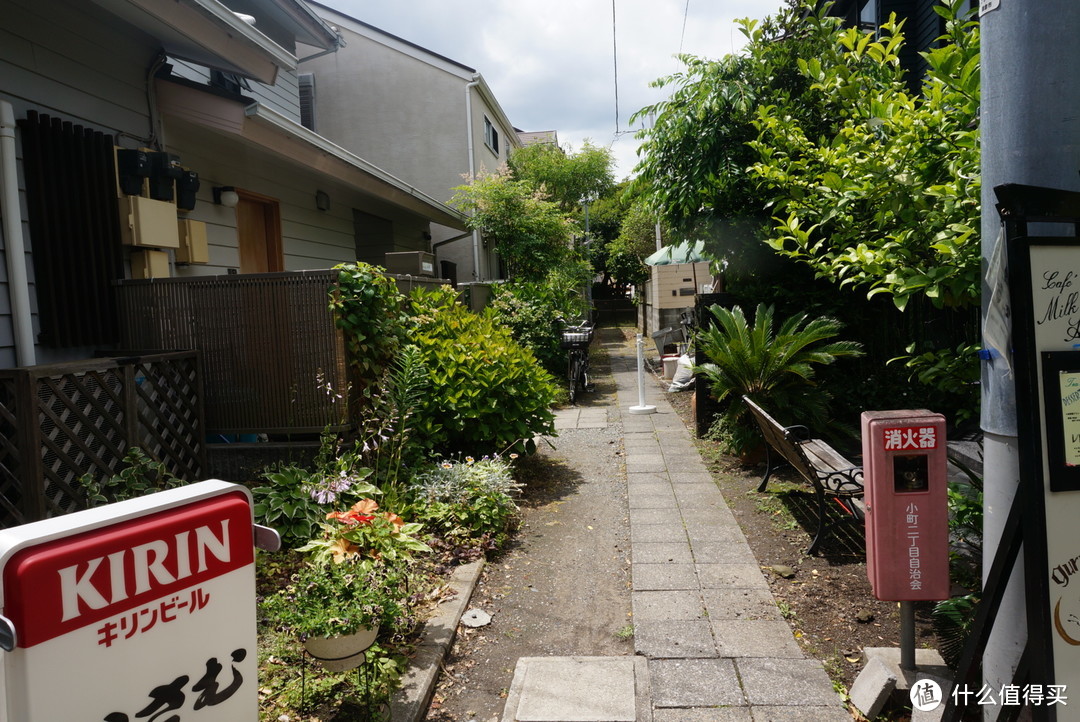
x=65, y=584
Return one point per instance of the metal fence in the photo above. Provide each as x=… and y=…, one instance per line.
x=61, y=421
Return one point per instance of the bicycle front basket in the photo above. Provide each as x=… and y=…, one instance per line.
x=576, y=339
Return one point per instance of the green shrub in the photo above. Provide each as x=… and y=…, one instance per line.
x=535, y=314
x=140, y=475
x=369, y=309
x=773, y=366
x=487, y=392
x=474, y=498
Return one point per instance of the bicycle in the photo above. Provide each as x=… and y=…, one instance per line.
x=576, y=340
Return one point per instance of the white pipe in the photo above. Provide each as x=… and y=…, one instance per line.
x=14, y=248
x=472, y=166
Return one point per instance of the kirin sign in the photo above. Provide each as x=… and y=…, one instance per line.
x=143, y=609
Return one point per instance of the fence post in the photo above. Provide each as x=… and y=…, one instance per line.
x=31, y=465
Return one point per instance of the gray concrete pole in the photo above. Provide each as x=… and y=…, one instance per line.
x=1030, y=126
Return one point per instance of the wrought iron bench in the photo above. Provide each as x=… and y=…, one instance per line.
x=828, y=472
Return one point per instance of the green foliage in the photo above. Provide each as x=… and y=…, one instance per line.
x=888, y=199
x=566, y=177
x=531, y=233
x=952, y=372
x=386, y=423
x=139, y=475
x=487, y=392
x=636, y=241
x=294, y=501
x=329, y=599
x=775, y=366
x=470, y=498
x=369, y=309
x=535, y=314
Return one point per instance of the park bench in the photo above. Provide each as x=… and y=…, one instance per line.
x=831, y=475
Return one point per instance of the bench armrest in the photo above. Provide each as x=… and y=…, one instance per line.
x=796, y=433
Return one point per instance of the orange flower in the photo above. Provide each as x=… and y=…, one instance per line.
x=365, y=506
x=394, y=519
x=343, y=549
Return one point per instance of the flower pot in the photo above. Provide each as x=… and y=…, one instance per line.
x=341, y=652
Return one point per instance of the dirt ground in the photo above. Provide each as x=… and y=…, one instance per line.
x=563, y=585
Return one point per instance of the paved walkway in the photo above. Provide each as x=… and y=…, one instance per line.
x=711, y=642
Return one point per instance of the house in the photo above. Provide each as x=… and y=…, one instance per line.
x=162, y=192
x=419, y=115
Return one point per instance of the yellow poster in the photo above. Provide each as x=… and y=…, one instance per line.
x=1070, y=416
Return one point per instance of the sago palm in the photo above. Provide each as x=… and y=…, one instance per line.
x=774, y=367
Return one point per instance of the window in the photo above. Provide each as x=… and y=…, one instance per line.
x=491, y=136
x=307, y=100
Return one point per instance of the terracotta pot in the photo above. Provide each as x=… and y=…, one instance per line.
x=341, y=652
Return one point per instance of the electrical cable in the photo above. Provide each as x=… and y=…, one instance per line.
x=615, y=59
x=682, y=37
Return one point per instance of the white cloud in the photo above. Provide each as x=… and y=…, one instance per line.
x=552, y=65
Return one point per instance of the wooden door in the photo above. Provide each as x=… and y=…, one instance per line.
x=258, y=232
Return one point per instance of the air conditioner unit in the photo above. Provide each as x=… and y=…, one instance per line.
x=411, y=263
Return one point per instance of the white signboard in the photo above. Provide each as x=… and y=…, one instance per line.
x=986, y=6
x=1055, y=287
x=139, y=610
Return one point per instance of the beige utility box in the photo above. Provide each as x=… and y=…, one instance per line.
x=194, y=247
x=675, y=285
x=149, y=223
x=149, y=264
x=411, y=263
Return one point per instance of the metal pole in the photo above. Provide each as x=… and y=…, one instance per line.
x=642, y=407
x=907, y=636
x=1030, y=126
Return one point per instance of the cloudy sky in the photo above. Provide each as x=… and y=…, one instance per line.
x=552, y=65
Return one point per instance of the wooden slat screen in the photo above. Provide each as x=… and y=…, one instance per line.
x=74, y=230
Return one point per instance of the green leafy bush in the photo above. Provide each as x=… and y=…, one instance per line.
x=535, y=314
x=487, y=392
x=369, y=309
x=773, y=366
x=139, y=476
x=473, y=498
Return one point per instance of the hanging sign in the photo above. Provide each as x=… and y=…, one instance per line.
x=144, y=609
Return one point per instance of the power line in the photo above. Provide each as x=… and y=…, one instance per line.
x=615, y=59
x=686, y=12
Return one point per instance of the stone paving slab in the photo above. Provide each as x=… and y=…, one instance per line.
x=659, y=606
x=578, y=689
x=720, y=576
x=740, y=604
x=671, y=516
x=658, y=577
x=642, y=531
x=674, y=639
x=755, y=638
x=808, y=713
x=729, y=552
x=652, y=501
x=695, y=683
x=662, y=553
x=786, y=682
x=704, y=714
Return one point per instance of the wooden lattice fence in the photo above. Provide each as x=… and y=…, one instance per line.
x=61, y=421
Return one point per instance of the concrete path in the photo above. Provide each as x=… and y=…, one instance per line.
x=712, y=643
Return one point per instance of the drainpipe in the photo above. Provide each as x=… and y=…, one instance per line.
x=472, y=166
x=14, y=249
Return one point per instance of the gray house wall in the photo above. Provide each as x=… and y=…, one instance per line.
x=68, y=60
x=404, y=108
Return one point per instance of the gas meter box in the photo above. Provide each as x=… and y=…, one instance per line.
x=905, y=481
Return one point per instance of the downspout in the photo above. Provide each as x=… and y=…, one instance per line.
x=14, y=249
x=472, y=166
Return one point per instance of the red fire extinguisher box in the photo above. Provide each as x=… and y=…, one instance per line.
x=905, y=480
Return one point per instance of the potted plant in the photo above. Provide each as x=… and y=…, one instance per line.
x=337, y=608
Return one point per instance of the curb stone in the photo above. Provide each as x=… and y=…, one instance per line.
x=411, y=701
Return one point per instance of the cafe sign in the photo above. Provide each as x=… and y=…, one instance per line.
x=144, y=609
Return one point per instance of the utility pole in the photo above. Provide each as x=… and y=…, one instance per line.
x=1030, y=127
